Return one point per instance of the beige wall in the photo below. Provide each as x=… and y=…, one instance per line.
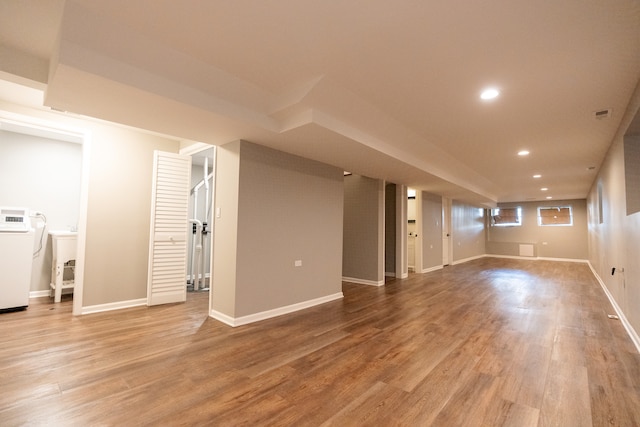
x=362, y=254
x=550, y=241
x=288, y=209
x=118, y=215
x=467, y=231
x=615, y=242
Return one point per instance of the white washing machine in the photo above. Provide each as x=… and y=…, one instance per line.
x=16, y=255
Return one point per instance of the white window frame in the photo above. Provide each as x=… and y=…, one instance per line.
x=496, y=212
x=570, y=224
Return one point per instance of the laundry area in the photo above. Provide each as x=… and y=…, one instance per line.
x=40, y=213
x=39, y=208
x=16, y=247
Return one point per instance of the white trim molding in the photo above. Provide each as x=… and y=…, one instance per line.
x=47, y=293
x=583, y=261
x=530, y=258
x=430, y=269
x=362, y=281
x=114, y=306
x=461, y=261
x=40, y=294
x=268, y=314
x=627, y=326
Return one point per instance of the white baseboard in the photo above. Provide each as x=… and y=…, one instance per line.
x=40, y=294
x=461, y=261
x=268, y=314
x=113, y=306
x=394, y=275
x=533, y=258
x=510, y=256
x=362, y=281
x=430, y=269
x=630, y=331
x=45, y=293
x=583, y=261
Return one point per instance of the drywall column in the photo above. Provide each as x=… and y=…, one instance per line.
x=431, y=232
x=390, y=230
x=467, y=229
x=363, y=242
x=278, y=233
x=225, y=243
x=402, y=268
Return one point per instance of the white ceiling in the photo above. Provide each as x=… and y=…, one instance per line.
x=384, y=89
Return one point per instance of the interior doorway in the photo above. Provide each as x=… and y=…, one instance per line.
x=200, y=240
x=64, y=208
x=446, y=232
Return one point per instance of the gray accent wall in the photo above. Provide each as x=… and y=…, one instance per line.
x=467, y=231
x=362, y=254
x=431, y=231
x=614, y=236
x=390, y=229
x=568, y=242
x=275, y=209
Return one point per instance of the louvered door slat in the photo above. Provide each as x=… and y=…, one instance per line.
x=168, y=236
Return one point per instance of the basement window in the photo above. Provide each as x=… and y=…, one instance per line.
x=506, y=217
x=555, y=215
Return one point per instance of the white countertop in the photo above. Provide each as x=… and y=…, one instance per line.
x=63, y=233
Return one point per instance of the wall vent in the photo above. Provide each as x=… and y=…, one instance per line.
x=602, y=114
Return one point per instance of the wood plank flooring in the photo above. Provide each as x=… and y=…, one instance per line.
x=492, y=342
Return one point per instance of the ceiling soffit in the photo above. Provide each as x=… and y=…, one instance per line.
x=98, y=58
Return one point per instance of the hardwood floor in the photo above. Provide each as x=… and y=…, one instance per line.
x=491, y=342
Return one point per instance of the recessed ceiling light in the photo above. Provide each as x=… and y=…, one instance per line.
x=523, y=153
x=490, y=93
x=549, y=197
x=537, y=176
x=544, y=189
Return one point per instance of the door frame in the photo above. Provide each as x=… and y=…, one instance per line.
x=54, y=130
x=447, y=248
x=190, y=150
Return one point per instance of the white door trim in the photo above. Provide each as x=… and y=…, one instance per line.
x=53, y=130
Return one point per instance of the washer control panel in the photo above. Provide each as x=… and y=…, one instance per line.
x=14, y=219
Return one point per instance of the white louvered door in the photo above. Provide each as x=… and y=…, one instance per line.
x=166, y=281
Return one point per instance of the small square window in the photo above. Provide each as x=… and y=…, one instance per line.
x=506, y=217
x=555, y=215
